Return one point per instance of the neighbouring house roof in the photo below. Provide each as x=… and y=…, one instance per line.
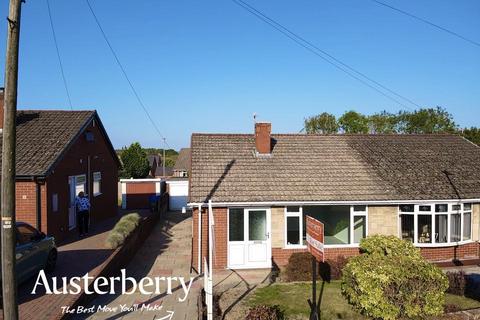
x=183, y=160
x=43, y=136
x=151, y=158
x=334, y=168
x=159, y=171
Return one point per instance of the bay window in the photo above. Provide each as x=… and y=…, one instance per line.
x=435, y=224
x=343, y=225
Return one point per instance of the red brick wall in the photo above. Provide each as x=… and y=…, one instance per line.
x=75, y=162
x=466, y=251
x=26, y=203
x=220, y=256
x=280, y=256
x=138, y=194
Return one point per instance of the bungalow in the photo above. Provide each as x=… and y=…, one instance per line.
x=59, y=154
x=421, y=188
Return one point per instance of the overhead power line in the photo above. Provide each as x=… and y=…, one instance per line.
x=329, y=58
x=411, y=15
x=58, y=55
x=135, y=93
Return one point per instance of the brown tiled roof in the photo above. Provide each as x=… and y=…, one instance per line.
x=334, y=168
x=183, y=160
x=43, y=135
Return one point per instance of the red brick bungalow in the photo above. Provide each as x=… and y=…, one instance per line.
x=60, y=153
x=422, y=188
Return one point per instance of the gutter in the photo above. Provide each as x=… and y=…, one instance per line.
x=352, y=202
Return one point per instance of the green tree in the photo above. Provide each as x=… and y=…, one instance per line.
x=383, y=122
x=426, y=120
x=325, y=123
x=134, y=162
x=472, y=134
x=353, y=122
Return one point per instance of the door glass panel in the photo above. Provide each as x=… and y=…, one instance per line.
x=235, y=224
x=257, y=225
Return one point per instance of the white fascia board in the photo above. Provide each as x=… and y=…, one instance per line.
x=141, y=180
x=304, y=203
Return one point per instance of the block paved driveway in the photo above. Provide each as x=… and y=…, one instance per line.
x=167, y=252
x=76, y=256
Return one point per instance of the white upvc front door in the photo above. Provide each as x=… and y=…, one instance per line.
x=249, y=239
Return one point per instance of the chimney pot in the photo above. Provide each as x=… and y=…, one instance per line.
x=263, y=140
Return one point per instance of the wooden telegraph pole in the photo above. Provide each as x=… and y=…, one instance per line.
x=8, y=237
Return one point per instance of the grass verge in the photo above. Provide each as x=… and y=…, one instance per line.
x=292, y=299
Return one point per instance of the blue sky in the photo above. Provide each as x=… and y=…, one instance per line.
x=207, y=66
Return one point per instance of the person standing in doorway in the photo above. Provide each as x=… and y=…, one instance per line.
x=82, y=205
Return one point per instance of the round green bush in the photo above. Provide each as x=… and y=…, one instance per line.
x=393, y=281
x=114, y=240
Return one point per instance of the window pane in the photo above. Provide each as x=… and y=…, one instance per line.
x=293, y=230
x=360, y=208
x=441, y=227
x=235, y=225
x=467, y=225
x=359, y=230
x=424, y=228
x=441, y=208
x=407, y=225
x=293, y=209
x=336, y=220
x=407, y=207
x=456, y=207
x=467, y=206
x=424, y=208
x=455, y=220
x=257, y=225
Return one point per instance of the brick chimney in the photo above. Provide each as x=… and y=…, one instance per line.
x=2, y=109
x=263, y=141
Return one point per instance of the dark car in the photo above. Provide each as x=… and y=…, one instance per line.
x=34, y=251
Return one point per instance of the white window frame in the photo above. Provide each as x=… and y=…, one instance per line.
x=97, y=178
x=298, y=214
x=351, y=231
x=416, y=212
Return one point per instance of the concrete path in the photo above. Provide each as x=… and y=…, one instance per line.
x=232, y=288
x=166, y=253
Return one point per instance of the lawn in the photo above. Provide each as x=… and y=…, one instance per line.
x=292, y=299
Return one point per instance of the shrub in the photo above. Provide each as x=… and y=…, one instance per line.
x=449, y=308
x=114, y=240
x=122, y=229
x=393, y=281
x=388, y=246
x=265, y=313
x=457, y=283
x=299, y=267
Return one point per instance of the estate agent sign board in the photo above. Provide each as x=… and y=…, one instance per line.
x=315, y=238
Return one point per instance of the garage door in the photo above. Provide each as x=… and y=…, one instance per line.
x=178, y=191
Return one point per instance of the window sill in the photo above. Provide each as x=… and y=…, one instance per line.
x=440, y=245
x=326, y=246
x=97, y=194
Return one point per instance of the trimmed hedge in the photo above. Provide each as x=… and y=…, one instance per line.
x=299, y=267
x=457, y=283
x=391, y=280
x=122, y=229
